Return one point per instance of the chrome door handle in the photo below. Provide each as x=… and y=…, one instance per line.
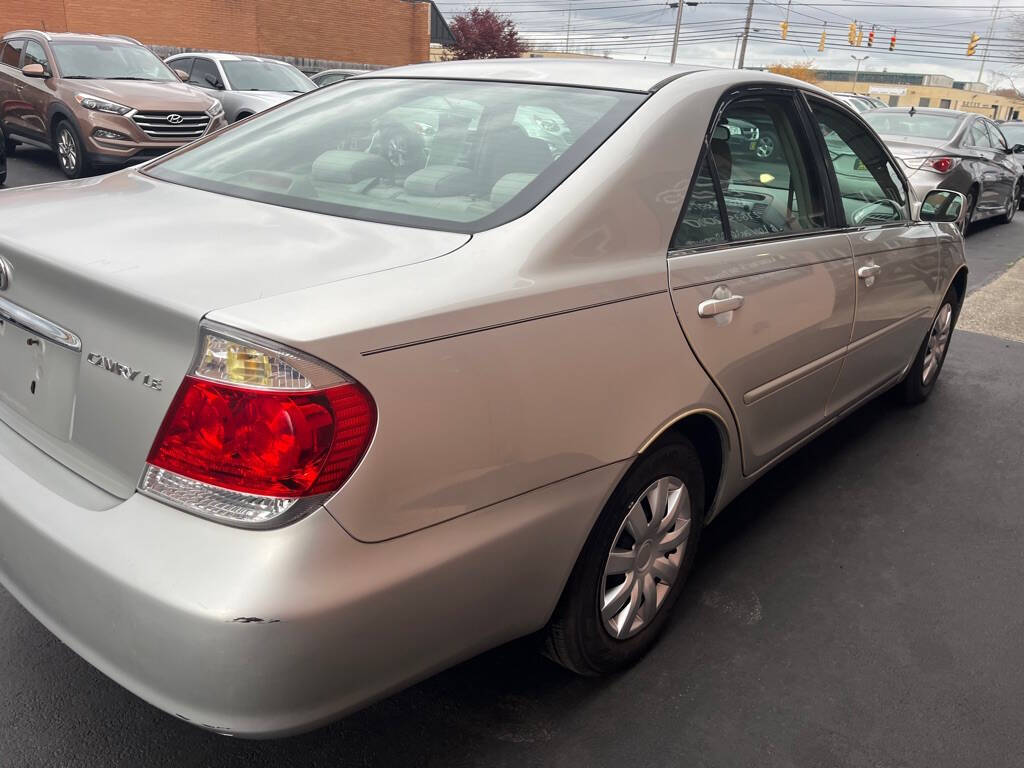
x=869, y=270
x=712, y=307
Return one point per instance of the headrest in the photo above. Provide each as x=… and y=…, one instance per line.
x=440, y=181
x=346, y=166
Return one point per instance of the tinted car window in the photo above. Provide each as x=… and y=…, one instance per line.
x=871, y=189
x=331, y=79
x=763, y=173
x=444, y=154
x=34, y=54
x=978, y=136
x=995, y=136
x=185, y=65
x=701, y=222
x=204, y=73
x=11, y=54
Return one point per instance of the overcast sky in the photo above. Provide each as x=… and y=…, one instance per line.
x=931, y=35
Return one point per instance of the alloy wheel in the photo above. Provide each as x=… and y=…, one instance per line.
x=937, y=341
x=765, y=147
x=1011, y=208
x=67, y=150
x=645, y=557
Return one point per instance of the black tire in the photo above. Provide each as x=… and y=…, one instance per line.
x=577, y=637
x=65, y=130
x=1011, y=205
x=916, y=387
x=241, y=116
x=9, y=146
x=970, y=204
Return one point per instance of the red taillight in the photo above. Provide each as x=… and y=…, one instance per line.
x=943, y=164
x=268, y=443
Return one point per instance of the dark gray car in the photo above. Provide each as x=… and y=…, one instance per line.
x=943, y=148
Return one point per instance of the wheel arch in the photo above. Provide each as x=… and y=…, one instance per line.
x=708, y=433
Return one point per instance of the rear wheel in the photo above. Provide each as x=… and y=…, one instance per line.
x=924, y=371
x=971, y=202
x=1011, y=205
x=765, y=147
x=633, y=566
x=70, y=156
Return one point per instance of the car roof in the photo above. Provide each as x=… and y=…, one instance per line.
x=218, y=56
x=70, y=36
x=638, y=76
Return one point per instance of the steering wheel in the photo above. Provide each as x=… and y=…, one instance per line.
x=403, y=148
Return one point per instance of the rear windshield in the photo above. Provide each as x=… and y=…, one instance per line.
x=251, y=75
x=462, y=156
x=913, y=124
x=109, y=61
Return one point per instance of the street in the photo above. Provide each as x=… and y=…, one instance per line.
x=858, y=606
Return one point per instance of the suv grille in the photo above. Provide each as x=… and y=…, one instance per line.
x=167, y=127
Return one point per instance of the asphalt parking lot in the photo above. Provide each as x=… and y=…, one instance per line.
x=859, y=606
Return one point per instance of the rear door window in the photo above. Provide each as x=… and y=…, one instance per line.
x=765, y=170
x=183, y=65
x=701, y=223
x=11, y=54
x=977, y=136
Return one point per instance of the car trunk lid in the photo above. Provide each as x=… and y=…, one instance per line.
x=129, y=265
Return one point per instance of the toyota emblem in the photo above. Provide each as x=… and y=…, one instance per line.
x=174, y=118
x=5, y=273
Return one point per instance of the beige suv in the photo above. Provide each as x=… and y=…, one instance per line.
x=99, y=102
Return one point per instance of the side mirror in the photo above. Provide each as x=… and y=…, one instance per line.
x=943, y=205
x=1017, y=149
x=182, y=75
x=214, y=81
x=34, y=70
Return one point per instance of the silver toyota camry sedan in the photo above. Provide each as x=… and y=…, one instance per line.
x=290, y=419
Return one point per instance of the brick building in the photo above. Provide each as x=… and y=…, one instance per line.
x=369, y=32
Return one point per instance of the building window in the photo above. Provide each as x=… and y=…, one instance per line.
x=924, y=102
x=894, y=101
x=944, y=103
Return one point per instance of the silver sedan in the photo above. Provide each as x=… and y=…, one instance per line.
x=320, y=421
x=244, y=84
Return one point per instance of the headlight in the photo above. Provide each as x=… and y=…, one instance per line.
x=216, y=110
x=101, y=105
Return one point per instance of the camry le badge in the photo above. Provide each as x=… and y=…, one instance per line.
x=124, y=371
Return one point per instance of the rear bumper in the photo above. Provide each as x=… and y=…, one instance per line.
x=267, y=633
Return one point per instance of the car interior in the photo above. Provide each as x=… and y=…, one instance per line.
x=459, y=154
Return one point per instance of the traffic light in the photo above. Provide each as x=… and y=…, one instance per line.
x=852, y=36
x=860, y=36
x=972, y=44
x=892, y=41
x=821, y=43
x=784, y=26
x=871, y=37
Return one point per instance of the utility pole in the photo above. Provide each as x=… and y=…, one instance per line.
x=679, y=23
x=988, y=40
x=746, y=34
x=860, y=60
x=568, y=26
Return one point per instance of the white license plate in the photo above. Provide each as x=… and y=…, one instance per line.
x=38, y=379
